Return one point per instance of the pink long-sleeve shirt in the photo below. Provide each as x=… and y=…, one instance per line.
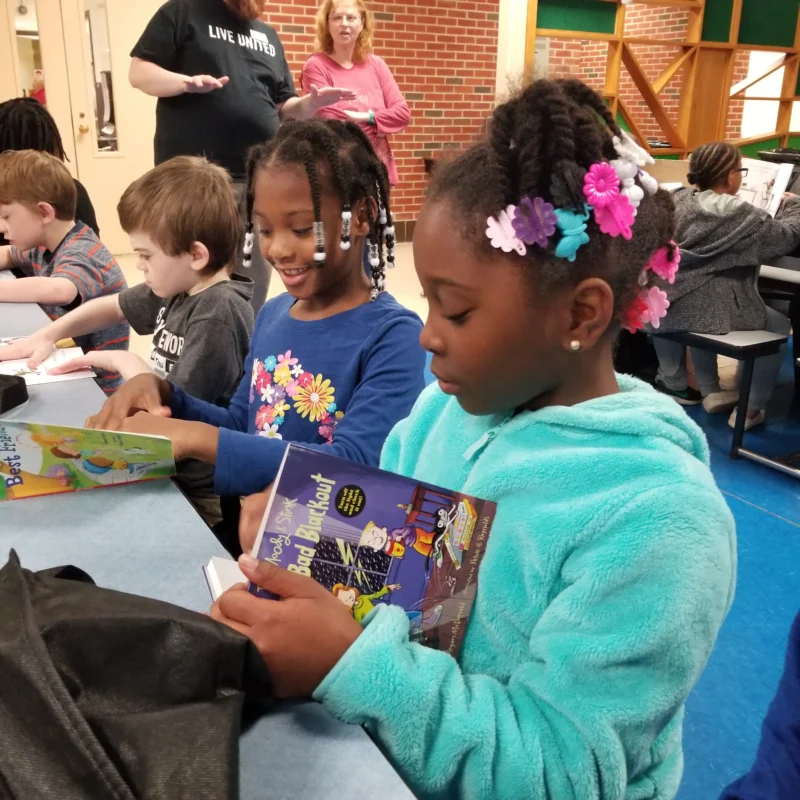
x=377, y=91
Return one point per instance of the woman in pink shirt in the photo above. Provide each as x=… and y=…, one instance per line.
x=344, y=42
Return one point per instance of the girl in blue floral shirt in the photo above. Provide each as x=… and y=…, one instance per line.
x=336, y=361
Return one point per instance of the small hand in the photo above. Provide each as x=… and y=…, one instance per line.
x=300, y=637
x=35, y=348
x=250, y=518
x=393, y=587
x=328, y=95
x=178, y=431
x=145, y=392
x=203, y=84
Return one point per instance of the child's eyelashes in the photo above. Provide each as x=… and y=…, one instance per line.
x=303, y=231
x=458, y=319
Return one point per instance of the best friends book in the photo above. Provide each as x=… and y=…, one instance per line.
x=50, y=459
x=371, y=537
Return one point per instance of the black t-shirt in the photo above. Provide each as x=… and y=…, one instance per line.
x=204, y=37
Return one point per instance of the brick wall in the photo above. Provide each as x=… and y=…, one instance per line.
x=741, y=66
x=443, y=55
x=666, y=24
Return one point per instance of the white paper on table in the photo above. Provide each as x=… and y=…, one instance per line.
x=6, y=340
x=6, y=275
x=34, y=377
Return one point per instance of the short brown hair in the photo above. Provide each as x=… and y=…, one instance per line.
x=184, y=200
x=324, y=40
x=248, y=10
x=31, y=177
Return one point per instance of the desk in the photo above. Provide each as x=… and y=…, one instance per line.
x=151, y=542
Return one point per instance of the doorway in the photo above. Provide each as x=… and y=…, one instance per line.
x=72, y=55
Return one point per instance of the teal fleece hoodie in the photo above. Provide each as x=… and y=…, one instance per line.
x=609, y=570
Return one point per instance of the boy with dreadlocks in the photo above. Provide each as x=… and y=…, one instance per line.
x=25, y=124
x=611, y=561
x=334, y=362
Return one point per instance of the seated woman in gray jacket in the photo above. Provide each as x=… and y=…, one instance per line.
x=723, y=242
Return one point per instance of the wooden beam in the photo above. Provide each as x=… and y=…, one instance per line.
x=530, y=35
x=694, y=31
x=660, y=83
x=650, y=97
x=631, y=123
x=613, y=72
x=765, y=137
x=553, y=33
x=736, y=21
x=743, y=86
x=687, y=97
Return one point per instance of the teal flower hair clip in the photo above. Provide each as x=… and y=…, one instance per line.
x=572, y=226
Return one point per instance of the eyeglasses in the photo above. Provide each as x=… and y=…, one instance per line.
x=744, y=170
x=348, y=19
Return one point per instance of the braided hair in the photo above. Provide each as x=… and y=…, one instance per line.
x=540, y=144
x=339, y=159
x=711, y=164
x=25, y=124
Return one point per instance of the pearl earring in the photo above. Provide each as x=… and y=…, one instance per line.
x=574, y=345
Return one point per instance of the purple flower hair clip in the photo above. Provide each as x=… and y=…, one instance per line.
x=534, y=221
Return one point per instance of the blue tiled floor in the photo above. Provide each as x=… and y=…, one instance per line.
x=724, y=713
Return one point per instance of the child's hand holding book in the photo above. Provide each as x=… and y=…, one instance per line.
x=301, y=638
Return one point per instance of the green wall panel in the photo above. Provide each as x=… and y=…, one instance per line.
x=752, y=150
x=577, y=15
x=794, y=141
x=771, y=23
x=667, y=157
x=717, y=20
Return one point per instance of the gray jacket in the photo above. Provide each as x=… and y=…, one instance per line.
x=715, y=289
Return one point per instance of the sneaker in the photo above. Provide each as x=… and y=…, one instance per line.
x=749, y=423
x=686, y=397
x=720, y=402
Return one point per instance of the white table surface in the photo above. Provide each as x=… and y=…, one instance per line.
x=146, y=539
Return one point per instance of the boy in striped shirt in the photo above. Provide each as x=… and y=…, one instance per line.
x=65, y=264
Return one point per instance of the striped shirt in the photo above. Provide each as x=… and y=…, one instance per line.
x=83, y=260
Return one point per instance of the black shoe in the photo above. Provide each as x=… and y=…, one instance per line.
x=686, y=397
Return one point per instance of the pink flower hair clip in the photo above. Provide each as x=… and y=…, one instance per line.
x=500, y=232
x=649, y=307
x=661, y=264
x=613, y=212
x=657, y=304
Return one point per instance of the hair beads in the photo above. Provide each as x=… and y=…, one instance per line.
x=339, y=160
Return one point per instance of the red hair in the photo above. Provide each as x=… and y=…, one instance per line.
x=247, y=9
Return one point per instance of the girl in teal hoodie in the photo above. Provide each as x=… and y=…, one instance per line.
x=611, y=563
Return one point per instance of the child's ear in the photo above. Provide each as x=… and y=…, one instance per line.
x=200, y=256
x=363, y=211
x=46, y=212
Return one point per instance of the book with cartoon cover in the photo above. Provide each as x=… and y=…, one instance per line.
x=371, y=537
x=50, y=459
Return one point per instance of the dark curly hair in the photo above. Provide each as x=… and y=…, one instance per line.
x=540, y=144
x=25, y=124
x=339, y=160
x=711, y=164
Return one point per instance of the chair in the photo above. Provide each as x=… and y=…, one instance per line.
x=744, y=346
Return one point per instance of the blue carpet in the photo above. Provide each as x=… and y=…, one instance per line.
x=724, y=713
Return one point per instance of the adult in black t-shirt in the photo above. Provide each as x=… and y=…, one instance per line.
x=223, y=85
x=25, y=124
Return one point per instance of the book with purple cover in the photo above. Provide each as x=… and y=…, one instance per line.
x=372, y=537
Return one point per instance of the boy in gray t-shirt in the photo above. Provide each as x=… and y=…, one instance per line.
x=199, y=314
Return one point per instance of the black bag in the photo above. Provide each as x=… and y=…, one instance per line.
x=110, y=695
